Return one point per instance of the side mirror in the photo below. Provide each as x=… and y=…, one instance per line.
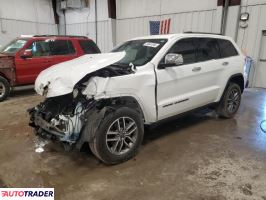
x=172, y=59
x=26, y=54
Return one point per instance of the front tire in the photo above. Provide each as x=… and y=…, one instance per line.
x=119, y=136
x=4, y=89
x=230, y=101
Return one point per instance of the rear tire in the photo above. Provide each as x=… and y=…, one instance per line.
x=4, y=89
x=230, y=101
x=119, y=136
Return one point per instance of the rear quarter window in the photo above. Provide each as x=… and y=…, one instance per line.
x=89, y=47
x=61, y=47
x=227, y=49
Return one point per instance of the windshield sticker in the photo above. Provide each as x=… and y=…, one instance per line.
x=151, y=44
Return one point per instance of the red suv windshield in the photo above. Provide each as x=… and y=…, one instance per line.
x=14, y=46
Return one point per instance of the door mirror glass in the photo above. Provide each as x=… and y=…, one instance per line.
x=27, y=54
x=173, y=59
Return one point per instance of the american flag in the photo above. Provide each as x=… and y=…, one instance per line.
x=160, y=27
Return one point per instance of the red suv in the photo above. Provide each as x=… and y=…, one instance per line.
x=25, y=57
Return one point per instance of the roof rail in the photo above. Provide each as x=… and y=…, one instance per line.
x=73, y=36
x=191, y=32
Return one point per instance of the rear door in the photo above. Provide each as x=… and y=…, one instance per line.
x=213, y=67
x=27, y=69
x=193, y=84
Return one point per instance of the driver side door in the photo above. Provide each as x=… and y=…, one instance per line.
x=27, y=69
x=184, y=87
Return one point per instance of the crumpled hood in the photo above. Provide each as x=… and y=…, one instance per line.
x=61, y=78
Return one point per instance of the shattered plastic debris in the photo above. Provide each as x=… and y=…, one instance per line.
x=39, y=145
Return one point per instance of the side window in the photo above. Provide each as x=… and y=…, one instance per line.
x=40, y=48
x=61, y=47
x=227, y=48
x=207, y=49
x=186, y=48
x=89, y=47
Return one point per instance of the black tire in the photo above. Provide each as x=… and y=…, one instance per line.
x=4, y=89
x=227, y=108
x=101, y=148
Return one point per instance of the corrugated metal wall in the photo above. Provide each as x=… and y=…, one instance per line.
x=11, y=29
x=104, y=32
x=133, y=16
x=82, y=22
x=25, y=17
x=188, y=21
x=249, y=38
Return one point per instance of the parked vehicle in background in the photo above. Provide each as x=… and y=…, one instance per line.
x=143, y=81
x=24, y=58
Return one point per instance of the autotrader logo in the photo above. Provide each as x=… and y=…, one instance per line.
x=26, y=193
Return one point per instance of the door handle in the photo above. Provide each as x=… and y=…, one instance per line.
x=225, y=63
x=196, y=69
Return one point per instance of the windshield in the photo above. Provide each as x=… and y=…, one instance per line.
x=14, y=46
x=139, y=52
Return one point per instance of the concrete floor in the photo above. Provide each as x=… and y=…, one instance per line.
x=195, y=157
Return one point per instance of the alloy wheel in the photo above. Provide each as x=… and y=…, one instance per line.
x=233, y=100
x=121, y=135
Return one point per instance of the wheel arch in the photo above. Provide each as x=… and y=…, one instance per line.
x=5, y=77
x=127, y=101
x=238, y=79
x=235, y=78
x=103, y=107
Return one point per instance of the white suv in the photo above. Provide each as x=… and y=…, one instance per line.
x=106, y=99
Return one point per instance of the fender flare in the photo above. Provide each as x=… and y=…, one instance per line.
x=237, y=78
x=234, y=78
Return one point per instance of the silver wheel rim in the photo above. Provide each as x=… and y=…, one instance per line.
x=233, y=100
x=121, y=135
x=2, y=89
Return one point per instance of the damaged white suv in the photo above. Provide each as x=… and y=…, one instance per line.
x=106, y=99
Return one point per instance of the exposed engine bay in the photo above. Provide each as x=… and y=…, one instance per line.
x=63, y=117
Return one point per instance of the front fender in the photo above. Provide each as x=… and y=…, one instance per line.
x=139, y=85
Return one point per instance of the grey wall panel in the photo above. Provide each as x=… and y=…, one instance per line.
x=253, y=2
x=232, y=21
x=249, y=38
x=19, y=17
x=104, y=39
x=104, y=36
x=85, y=29
x=10, y=29
x=180, y=22
x=144, y=8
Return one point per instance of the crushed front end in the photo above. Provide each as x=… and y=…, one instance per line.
x=75, y=97
x=63, y=117
x=60, y=118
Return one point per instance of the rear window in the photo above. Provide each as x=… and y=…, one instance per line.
x=89, y=47
x=61, y=47
x=227, y=49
